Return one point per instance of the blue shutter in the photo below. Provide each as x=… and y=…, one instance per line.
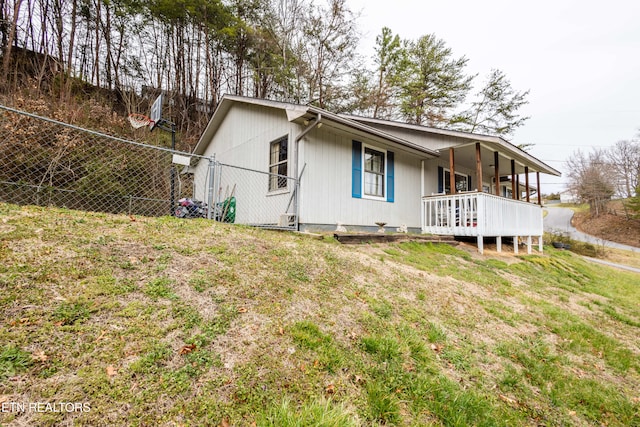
x=390, y=179
x=469, y=188
x=356, y=170
x=440, y=182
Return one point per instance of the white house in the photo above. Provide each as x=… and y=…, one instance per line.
x=358, y=171
x=568, y=196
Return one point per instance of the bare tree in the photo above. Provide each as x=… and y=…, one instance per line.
x=590, y=179
x=331, y=42
x=624, y=158
x=10, y=37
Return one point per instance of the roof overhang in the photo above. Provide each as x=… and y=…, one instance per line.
x=462, y=139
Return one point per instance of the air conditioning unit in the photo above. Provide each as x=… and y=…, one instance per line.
x=287, y=220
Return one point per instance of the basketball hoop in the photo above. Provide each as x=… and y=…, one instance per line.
x=139, y=120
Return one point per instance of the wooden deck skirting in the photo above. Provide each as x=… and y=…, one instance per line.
x=364, y=238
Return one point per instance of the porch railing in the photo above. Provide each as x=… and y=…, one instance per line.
x=480, y=214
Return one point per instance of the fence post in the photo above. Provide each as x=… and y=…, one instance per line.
x=296, y=221
x=210, y=198
x=216, y=192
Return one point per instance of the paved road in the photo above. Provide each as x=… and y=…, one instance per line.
x=611, y=264
x=558, y=220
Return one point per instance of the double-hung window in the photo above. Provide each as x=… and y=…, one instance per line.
x=278, y=157
x=374, y=172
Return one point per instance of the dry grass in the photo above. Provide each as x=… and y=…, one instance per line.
x=160, y=321
x=612, y=225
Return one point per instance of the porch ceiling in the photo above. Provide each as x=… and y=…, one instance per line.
x=465, y=156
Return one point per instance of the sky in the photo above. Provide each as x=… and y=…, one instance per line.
x=580, y=60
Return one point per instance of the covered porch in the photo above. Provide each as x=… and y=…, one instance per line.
x=487, y=188
x=476, y=214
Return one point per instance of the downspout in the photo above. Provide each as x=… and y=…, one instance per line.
x=296, y=143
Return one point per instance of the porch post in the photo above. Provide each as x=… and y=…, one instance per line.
x=478, y=168
x=496, y=162
x=539, y=192
x=513, y=179
x=423, y=222
x=526, y=178
x=452, y=172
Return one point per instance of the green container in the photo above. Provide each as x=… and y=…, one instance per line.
x=229, y=210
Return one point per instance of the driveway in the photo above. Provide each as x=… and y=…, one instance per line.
x=558, y=220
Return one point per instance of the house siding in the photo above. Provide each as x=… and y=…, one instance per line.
x=326, y=187
x=243, y=139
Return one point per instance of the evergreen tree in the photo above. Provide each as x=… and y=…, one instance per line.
x=495, y=109
x=436, y=84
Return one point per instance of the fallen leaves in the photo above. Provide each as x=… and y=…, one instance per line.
x=437, y=347
x=39, y=356
x=111, y=371
x=506, y=399
x=330, y=389
x=102, y=334
x=186, y=349
x=22, y=321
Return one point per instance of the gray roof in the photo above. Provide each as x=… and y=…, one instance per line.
x=298, y=111
x=498, y=143
x=371, y=127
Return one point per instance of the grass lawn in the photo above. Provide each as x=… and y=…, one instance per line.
x=162, y=321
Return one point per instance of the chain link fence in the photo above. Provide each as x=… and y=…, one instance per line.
x=248, y=192
x=45, y=162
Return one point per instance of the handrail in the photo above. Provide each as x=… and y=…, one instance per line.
x=480, y=193
x=480, y=214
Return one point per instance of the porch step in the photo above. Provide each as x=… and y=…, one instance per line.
x=363, y=238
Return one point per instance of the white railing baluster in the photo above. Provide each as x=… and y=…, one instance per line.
x=474, y=214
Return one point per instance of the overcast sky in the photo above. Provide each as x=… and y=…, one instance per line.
x=579, y=59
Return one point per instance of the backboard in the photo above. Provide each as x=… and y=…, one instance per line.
x=156, y=112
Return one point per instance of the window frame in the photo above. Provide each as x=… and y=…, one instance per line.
x=446, y=176
x=385, y=174
x=276, y=177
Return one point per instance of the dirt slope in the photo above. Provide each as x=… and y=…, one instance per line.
x=613, y=225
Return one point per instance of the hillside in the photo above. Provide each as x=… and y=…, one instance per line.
x=612, y=225
x=161, y=321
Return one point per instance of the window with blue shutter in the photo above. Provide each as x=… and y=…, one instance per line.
x=356, y=170
x=372, y=173
x=390, y=177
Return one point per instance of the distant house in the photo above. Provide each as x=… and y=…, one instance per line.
x=360, y=171
x=568, y=196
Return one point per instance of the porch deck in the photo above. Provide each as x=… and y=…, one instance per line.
x=482, y=215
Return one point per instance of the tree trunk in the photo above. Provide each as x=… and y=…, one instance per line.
x=9, y=44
